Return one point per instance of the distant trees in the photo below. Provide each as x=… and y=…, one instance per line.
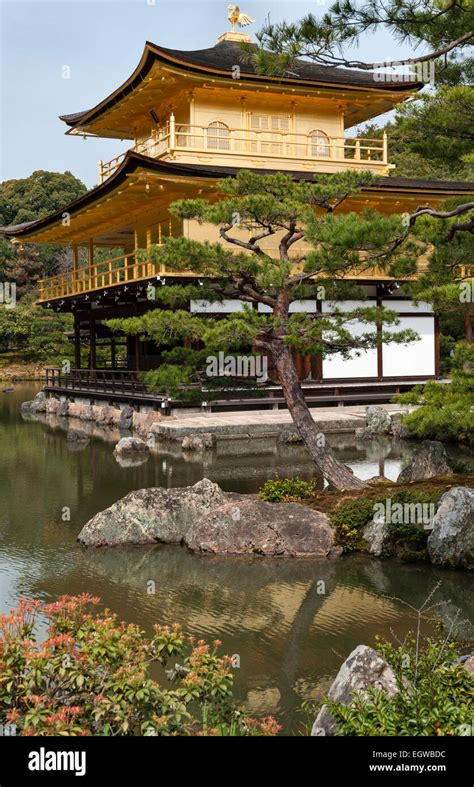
x=27, y=199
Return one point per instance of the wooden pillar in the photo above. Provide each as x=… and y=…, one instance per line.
x=113, y=355
x=77, y=342
x=91, y=283
x=93, y=345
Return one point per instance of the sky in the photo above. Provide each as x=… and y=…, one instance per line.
x=101, y=43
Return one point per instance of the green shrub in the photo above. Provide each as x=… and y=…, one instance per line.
x=350, y=518
x=409, y=535
x=286, y=490
x=445, y=410
x=434, y=695
x=90, y=676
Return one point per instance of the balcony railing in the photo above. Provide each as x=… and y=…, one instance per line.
x=172, y=138
x=118, y=270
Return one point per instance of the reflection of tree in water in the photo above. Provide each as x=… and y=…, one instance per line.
x=267, y=610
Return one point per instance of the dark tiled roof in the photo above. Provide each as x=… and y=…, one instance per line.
x=225, y=55
x=133, y=160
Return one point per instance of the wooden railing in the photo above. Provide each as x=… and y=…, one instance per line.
x=109, y=381
x=173, y=137
x=118, y=270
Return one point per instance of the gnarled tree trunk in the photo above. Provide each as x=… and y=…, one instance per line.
x=335, y=472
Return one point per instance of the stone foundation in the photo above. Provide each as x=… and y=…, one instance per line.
x=102, y=414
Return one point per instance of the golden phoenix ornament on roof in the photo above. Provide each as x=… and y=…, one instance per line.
x=236, y=18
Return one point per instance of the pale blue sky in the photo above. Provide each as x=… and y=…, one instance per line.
x=101, y=42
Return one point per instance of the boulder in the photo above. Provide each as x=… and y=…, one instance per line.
x=206, y=519
x=244, y=525
x=363, y=668
x=198, y=442
x=468, y=665
x=378, y=423
x=451, y=541
x=151, y=515
x=289, y=436
x=400, y=431
x=378, y=420
x=130, y=446
x=126, y=417
x=76, y=436
x=376, y=535
x=430, y=459
x=63, y=409
x=36, y=405
x=142, y=422
x=52, y=406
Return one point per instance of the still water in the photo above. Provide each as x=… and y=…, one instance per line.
x=290, y=638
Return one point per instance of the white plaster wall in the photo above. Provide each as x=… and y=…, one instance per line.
x=361, y=366
x=416, y=358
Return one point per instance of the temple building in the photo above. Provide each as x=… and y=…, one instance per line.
x=192, y=118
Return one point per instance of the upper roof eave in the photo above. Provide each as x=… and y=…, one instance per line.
x=221, y=60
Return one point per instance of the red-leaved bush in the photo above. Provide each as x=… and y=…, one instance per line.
x=91, y=676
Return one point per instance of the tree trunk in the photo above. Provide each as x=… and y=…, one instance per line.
x=336, y=473
x=468, y=326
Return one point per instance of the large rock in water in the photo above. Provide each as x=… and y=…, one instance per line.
x=208, y=520
x=451, y=541
x=378, y=422
x=130, y=446
x=363, y=668
x=429, y=460
x=151, y=515
x=244, y=525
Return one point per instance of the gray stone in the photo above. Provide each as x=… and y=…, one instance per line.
x=289, y=436
x=451, y=541
x=36, y=405
x=63, y=408
x=400, y=431
x=363, y=668
x=126, y=417
x=76, y=436
x=206, y=519
x=468, y=665
x=128, y=446
x=151, y=515
x=201, y=442
x=378, y=420
x=244, y=525
x=52, y=405
x=86, y=413
x=376, y=535
x=429, y=460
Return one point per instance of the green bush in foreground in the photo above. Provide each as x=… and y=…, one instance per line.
x=435, y=695
x=285, y=490
x=90, y=676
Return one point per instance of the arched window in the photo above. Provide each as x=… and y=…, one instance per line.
x=218, y=136
x=319, y=143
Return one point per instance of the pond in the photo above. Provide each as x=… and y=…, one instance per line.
x=289, y=636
